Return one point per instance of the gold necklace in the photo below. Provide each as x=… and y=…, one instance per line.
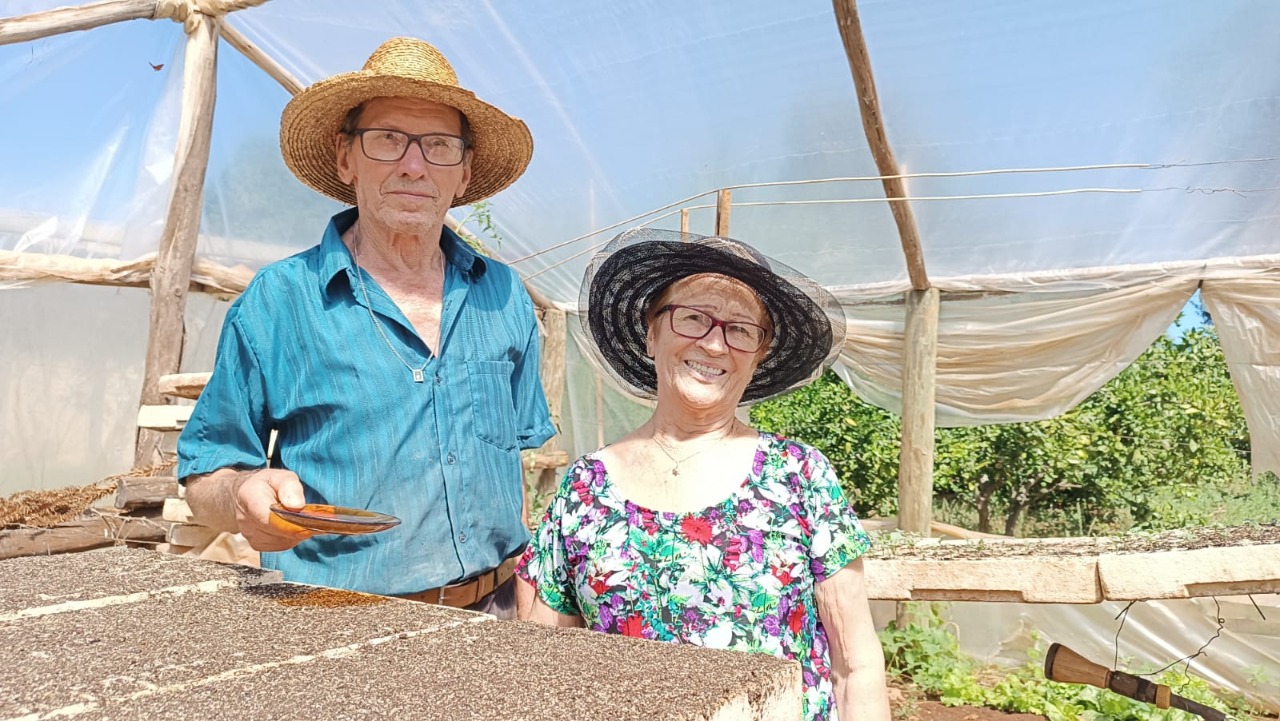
x=675, y=469
x=419, y=374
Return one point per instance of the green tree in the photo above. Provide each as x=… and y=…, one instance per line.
x=1167, y=427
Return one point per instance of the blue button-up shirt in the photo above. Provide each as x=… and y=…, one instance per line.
x=300, y=355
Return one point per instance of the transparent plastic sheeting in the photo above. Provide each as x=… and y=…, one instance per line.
x=1167, y=109
x=1243, y=659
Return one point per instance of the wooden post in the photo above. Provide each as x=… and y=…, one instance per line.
x=553, y=377
x=70, y=19
x=855, y=47
x=599, y=412
x=915, y=469
x=723, y=205
x=684, y=220
x=172, y=274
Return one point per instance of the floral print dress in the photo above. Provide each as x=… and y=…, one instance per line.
x=739, y=575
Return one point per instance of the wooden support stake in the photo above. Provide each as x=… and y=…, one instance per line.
x=855, y=47
x=172, y=274
x=71, y=19
x=684, y=220
x=915, y=469
x=724, y=204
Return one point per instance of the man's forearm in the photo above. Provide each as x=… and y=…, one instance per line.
x=212, y=498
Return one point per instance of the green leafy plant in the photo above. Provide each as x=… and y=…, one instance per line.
x=925, y=653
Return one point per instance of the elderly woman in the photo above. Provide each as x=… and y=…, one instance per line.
x=695, y=527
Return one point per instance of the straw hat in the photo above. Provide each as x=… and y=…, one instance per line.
x=400, y=67
x=629, y=274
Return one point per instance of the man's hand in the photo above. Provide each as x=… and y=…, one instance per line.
x=240, y=502
x=254, y=495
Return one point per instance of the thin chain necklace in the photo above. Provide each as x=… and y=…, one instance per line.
x=675, y=469
x=418, y=373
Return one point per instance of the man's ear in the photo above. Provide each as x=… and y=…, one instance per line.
x=466, y=175
x=342, y=150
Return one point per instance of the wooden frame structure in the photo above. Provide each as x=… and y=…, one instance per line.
x=174, y=271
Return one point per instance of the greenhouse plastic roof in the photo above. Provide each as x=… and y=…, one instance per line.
x=637, y=106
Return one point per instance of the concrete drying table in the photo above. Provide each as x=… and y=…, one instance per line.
x=135, y=634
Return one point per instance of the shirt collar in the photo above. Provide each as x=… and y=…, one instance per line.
x=335, y=257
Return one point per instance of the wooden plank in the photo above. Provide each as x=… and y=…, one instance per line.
x=81, y=535
x=34, y=26
x=161, y=419
x=144, y=492
x=545, y=461
x=855, y=47
x=176, y=510
x=191, y=534
x=172, y=275
x=724, y=204
x=184, y=385
x=915, y=467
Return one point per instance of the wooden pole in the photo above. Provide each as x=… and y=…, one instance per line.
x=915, y=469
x=172, y=274
x=684, y=220
x=70, y=19
x=855, y=47
x=237, y=40
x=553, y=378
x=724, y=203
x=599, y=412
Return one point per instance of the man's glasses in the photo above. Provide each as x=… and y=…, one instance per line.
x=389, y=146
x=693, y=323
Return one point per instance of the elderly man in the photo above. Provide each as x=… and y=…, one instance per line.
x=397, y=368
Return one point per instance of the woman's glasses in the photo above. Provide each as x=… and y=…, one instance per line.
x=693, y=323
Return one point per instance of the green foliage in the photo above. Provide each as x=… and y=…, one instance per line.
x=1138, y=453
x=928, y=655
x=481, y=216
x=860, y=439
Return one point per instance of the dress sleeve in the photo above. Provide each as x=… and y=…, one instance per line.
x=228, y=426
x=837, y=536
x=533, y=419
x=545, y=562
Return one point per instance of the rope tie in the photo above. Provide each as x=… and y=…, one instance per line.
x=190, y=12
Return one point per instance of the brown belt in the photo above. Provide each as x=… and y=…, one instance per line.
x=461, y=595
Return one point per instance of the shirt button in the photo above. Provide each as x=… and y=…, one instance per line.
x=439, y=380
x=451, y=459
x=462, y=537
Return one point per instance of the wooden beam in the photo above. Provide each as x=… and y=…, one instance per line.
x=172, y=275
x=206, y=276
x=184, y=385
x=684, y=220
x=237, y=40
x=71, y=19
x=855, y=47
x=915, y=468
x=83, y=534
x=145, y=491
x=724, y=204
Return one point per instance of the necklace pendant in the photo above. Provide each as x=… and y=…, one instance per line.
x=417, y=375
x=675, y=470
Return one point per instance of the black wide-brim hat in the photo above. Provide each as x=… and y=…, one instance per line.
x=631, y=271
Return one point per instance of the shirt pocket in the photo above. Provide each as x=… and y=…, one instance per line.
x=492, y=410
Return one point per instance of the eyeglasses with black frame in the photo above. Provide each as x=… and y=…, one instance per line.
x=386, y=145
x=692, y=323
